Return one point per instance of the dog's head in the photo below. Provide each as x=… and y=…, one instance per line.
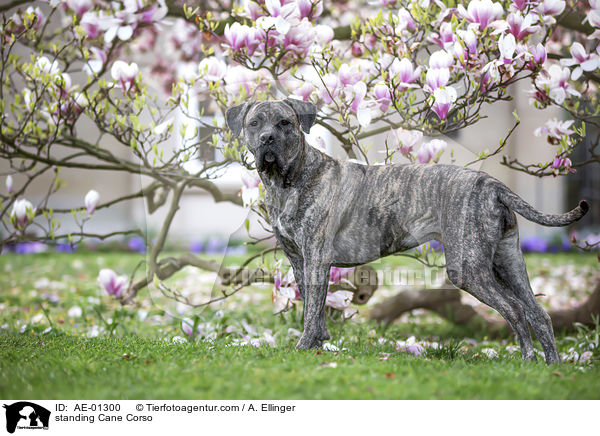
x=273, y=130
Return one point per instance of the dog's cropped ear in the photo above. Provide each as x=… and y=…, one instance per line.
x=235, y=117
x=305, y=111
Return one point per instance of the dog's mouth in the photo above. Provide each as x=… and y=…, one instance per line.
x=267, y=160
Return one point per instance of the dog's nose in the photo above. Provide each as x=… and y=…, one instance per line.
x=266, y=138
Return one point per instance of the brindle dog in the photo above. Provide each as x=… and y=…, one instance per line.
x=326, y=212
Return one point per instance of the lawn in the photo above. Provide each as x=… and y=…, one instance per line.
x=62, y=337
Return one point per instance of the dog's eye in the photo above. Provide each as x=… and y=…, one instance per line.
x=284, y=122
x=254, y=123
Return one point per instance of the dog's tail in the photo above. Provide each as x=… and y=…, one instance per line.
x=516, y=203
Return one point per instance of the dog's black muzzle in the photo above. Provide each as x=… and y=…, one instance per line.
x=267, y=157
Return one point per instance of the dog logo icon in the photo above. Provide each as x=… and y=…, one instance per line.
x=26, y=415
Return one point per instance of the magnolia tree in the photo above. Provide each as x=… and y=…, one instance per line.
x=408, y=69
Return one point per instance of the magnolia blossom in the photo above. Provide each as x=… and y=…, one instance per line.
x=187, y=325
x=555, y=130
x=91, y=201
x=405, y=21
x=239, y=36
x=407, y=139
x=212, y=69
x=309, y=9
x=239, y=78
x=469, y=37
x=336, y=274
x=443, y=99
x=407, y=74
x=446, y=37
x=437, y=78
x=519, y=26
x=359, y=106
x=250, y=187
x=431, y=151
x=481, y=12
x=125, y=74
x=339, y=300
x=383, y=96
x=583, y=60
x=112, y=283
x=95, y=65
x=47, y=67
x=299, y=38
x=507, y=46
x=323, y=34
x=349, y=74
x=538, y=53
x=329, y=89
x=554, y=82
x=305, y=91
x=562, y=163
x=441, y=59
x=551, y=7
x=79, y=6
x=22, y=213
x=9, y=184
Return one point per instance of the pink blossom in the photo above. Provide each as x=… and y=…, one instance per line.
x=555, y=129
x=562, y=163
x=252, y=10
x=79, y=6
x=431, y=151
x=22, y=213
x=112, y=283
x=520, y=4
x=309, y=9
x=539, y=53
x=437, y=77
x=554, y=84
x=441, y=59
x=9, y=184
x=187, y=326
x=382, y=94
x=350, y=74
x=482, y=12
x=507, y=46
x=323, y=34
x=583, y=60
x=330, y=89
x=407, y=139
x=299, y=38
x=91, y=201
x=405, y=21
x=94, y=65
x=469, y=38
x=336, y=274
x=339, y=300
x=125, y=74
x=443, y=99
x=521, y=26
x=357, y=49
x=236, y=35
x=407, y=75
x=250, y=187
x=551, y=7
x=305, y=91
x=446, y=37
x=212, y=69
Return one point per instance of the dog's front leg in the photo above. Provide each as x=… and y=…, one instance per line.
x=316, y=279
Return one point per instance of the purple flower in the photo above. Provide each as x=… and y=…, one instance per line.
x=535, y=244
x=215, y=246
x=137, y=244
x=196, y=247
x=520, y=26
x=431, y=151
x=407, y=75
x=446, y=37
x=481, y=12
x=382, y=94
x=112, y=283
x=30, y=247
x=65, y=248
x=443, y=99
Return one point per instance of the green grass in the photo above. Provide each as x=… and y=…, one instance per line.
x=135, y=357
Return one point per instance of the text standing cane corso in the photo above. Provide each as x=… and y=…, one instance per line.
x=325, y=213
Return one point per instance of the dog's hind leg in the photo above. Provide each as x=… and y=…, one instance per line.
x=474, y=274
x=510, y=267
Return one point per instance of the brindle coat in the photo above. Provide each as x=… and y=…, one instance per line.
x=326, y=212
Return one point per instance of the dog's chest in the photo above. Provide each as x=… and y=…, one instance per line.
x=283, y=211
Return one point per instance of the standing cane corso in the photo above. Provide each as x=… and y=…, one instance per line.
x=326, y=212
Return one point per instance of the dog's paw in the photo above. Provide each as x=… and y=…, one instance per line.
x=307, y=343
